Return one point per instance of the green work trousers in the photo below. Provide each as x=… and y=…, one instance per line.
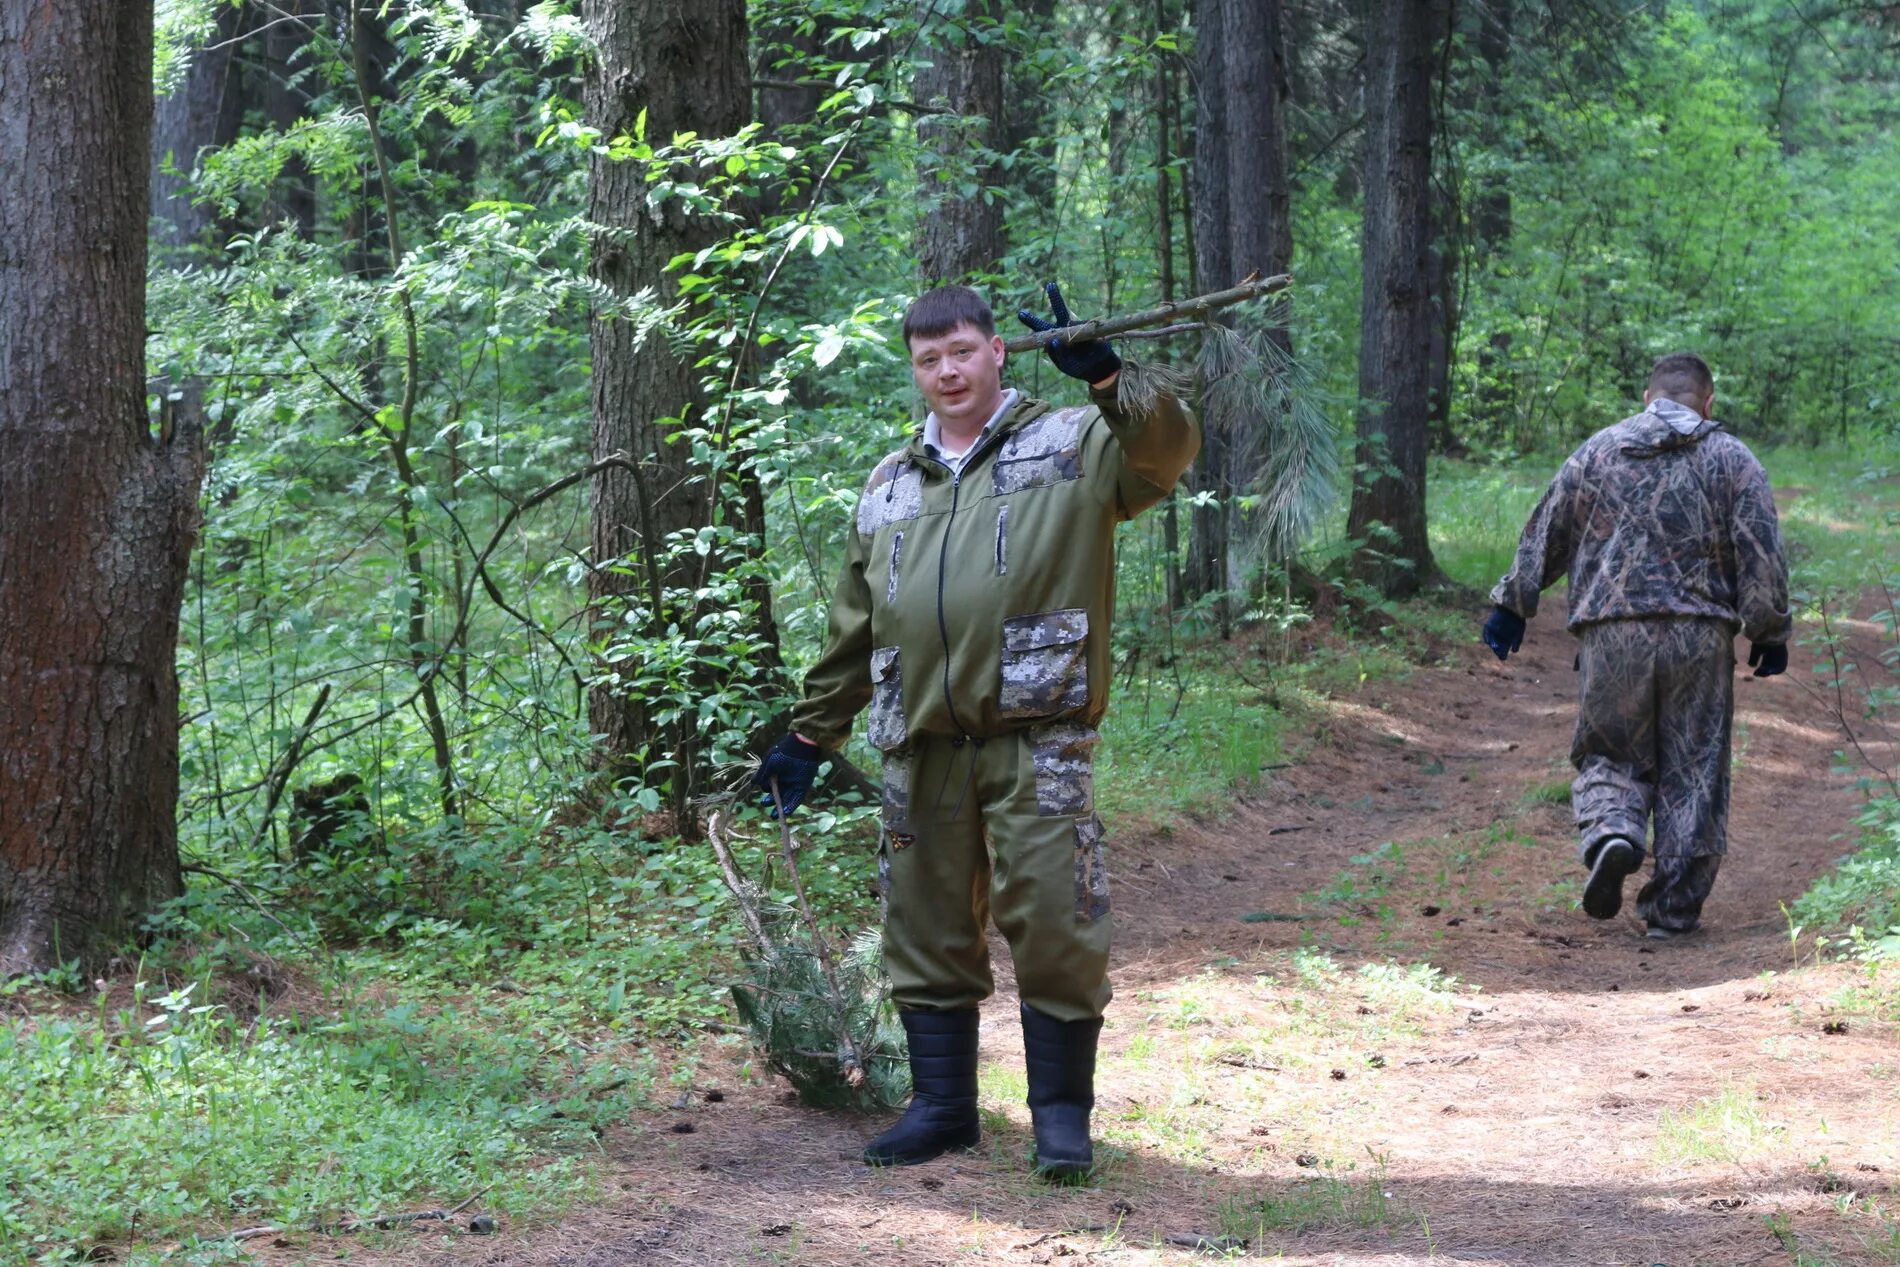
x=1003, y=829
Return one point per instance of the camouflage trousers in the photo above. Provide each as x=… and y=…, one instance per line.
x=1001, y=829
x=1656, y=703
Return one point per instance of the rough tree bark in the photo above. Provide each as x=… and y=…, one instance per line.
x=1242, y=225
x=960, y=235
x=97, y=513
x=1491, y=209
x=1028, y=133
x=684, y=63
x=1388, y=492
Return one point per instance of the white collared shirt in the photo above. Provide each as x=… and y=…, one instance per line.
x=933, y=433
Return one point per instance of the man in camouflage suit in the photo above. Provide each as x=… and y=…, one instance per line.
x=1666, y=529
x=972, y=618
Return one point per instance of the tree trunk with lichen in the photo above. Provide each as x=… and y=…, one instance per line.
x=98, y=510
x=684, y=64
x=962, y=231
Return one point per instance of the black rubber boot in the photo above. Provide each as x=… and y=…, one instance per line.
x=942, y=1112
x=1060, y=1056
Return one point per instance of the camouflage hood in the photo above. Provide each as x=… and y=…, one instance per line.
x=1664, y=428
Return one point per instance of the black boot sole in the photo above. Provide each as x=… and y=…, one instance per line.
x=1603, y=892
x=1064, y=1171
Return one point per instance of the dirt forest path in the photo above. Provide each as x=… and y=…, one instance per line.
x=1281, y=1070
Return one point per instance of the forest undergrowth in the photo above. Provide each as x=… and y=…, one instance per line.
x=339, y=1048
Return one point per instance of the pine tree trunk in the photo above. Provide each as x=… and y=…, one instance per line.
x=293, y=195
x=202, y=112
x=1388, y=495
x=683, y=62
x=97, y=514
x=1028, y=133
x=1242, y=225
x=960, y=235
x=1491, y=213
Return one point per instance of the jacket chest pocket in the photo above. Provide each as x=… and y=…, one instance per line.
x=1045, y=664
x=884, y=724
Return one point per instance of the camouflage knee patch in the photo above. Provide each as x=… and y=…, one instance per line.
x=884, y=724
x=1063, y=757
x=896, y=773
x=1091, y=871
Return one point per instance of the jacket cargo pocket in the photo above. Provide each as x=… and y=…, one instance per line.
x=1045, y=664
x=884, y=725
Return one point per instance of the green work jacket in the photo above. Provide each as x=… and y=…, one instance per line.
x=977, y=601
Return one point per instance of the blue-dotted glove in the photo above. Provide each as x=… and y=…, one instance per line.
x=1091, y=362
x=1503, y=631
x=794, y=764
x=1768, y=660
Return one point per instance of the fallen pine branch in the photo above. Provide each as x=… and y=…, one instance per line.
x=1210, y=1244
x=376, y=1222
x=1172, y=311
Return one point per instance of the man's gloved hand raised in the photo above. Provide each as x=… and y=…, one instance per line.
x=1503, y=631
x=794, y=764
x=1094, y=362
x=1768, y=660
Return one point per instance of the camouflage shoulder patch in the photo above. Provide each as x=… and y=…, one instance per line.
x=894, y=494
x=1047, y=450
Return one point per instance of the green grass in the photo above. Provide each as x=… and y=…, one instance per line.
x=1334, y=1197
x=1725, y=1127
x=1551, y=792
x=1160, y=759
x=1477, y=512
x=170, y=1118
x=1840, y=511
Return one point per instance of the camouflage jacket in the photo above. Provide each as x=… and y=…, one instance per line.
x=1650, y=521
x=977, y=601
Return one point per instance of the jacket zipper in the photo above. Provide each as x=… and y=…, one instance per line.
x=943, y=555
x=943, y=625
x=1002, y=540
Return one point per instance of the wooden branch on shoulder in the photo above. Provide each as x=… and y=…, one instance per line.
x=1198, y=307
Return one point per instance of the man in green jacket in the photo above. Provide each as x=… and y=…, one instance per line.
x=972, y=619
x=1666, y=528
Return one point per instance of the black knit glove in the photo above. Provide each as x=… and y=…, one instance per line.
x=1091, y=362
x=794, y=764
x=1503, y=631
x=1768, y=660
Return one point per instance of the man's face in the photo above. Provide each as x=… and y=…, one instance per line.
x=960, y=375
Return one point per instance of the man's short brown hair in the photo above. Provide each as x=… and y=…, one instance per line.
x=937, y=312
x=1682, y=377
